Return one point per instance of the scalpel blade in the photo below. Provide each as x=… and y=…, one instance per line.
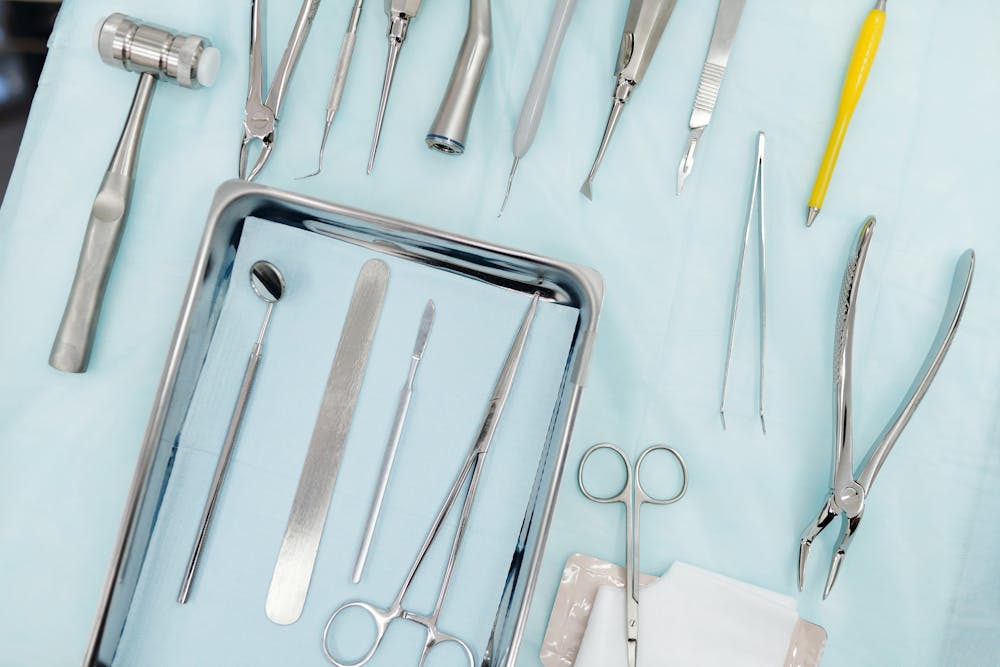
x=293, y=571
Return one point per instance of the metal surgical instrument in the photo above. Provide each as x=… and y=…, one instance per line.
x=849, y=489
x=447, y=133
x=293, y=570
x=426, y=321
x=756, y=201
x=469, y=475
x=538, y=92
x=268, y=284
x=156, y=54
x=339, y=78
x=261, y=120
x=644, y=25
x=400, y=13
x=633, y=497
x=727, y=20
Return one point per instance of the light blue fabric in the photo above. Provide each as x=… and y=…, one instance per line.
x=918, y=586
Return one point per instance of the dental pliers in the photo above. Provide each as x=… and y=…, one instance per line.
x=849, y=489
x=261, y=118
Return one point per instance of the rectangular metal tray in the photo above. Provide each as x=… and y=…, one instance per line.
x=570, y=285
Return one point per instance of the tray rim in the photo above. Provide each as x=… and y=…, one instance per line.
x=237, y=199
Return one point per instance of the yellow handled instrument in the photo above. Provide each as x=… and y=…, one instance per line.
x=854, y=83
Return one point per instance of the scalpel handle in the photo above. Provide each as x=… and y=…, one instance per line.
x=75, y=338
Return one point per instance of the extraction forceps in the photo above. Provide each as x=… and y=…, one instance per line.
x=727, y=20
x=400, y=13
x=850, y=489
x=633, y=496
x=469, y=477
x=644, y=25
x=261, y=120
x=339, y=79
x=756, y=201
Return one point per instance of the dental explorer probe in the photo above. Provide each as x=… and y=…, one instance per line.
x=644, y=25
x=538, y=92
x=339, y=79
x=400, y=13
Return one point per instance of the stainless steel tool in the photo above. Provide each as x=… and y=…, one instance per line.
x=633, y=497
x=339, y=78
x=756, y=202
x=268, y=284
x=261, y=115
x=850, y=488
x=156, y=54
x=727, y=20
x=538, y=92
x=395, y=433
x=450, y=127
x=470, y=475
x=644, y=25
x=293, y=571
x=400, y=12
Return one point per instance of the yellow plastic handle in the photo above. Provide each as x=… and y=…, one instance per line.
x=854, y=83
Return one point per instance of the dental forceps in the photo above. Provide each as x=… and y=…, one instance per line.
x=850, y=489
x=473, y=467
x=633, y=496
x=644, y=25
x=261, y=119
x=400, y=13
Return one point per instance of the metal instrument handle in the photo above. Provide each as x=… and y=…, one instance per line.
x=843, y=472
x=75, y=338
x=624, y=495
x=644, y=25
x=641, y=496
x=952, y=317
x=727, y=20
x=220, y=468
x=381, y=617
x=534, y=101
x=291, y=55
x=449, y=129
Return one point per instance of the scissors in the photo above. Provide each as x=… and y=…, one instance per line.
x=473, y=467
x=633, y=496
x=261, y=118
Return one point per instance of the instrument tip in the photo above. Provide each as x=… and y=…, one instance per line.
x=510, y=181
x=763, y=424
x=811, y=216
x=586, y=191
x=722, y=416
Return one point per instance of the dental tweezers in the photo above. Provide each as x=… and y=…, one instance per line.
x=756, y=202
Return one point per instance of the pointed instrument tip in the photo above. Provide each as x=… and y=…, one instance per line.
x=831, y=578
x=680, y=179
x=586, y=191
x=763, y=424
x=803, y=556
x=722, y=416
x=811, y=216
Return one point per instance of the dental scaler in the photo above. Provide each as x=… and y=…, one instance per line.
x=644, y=25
